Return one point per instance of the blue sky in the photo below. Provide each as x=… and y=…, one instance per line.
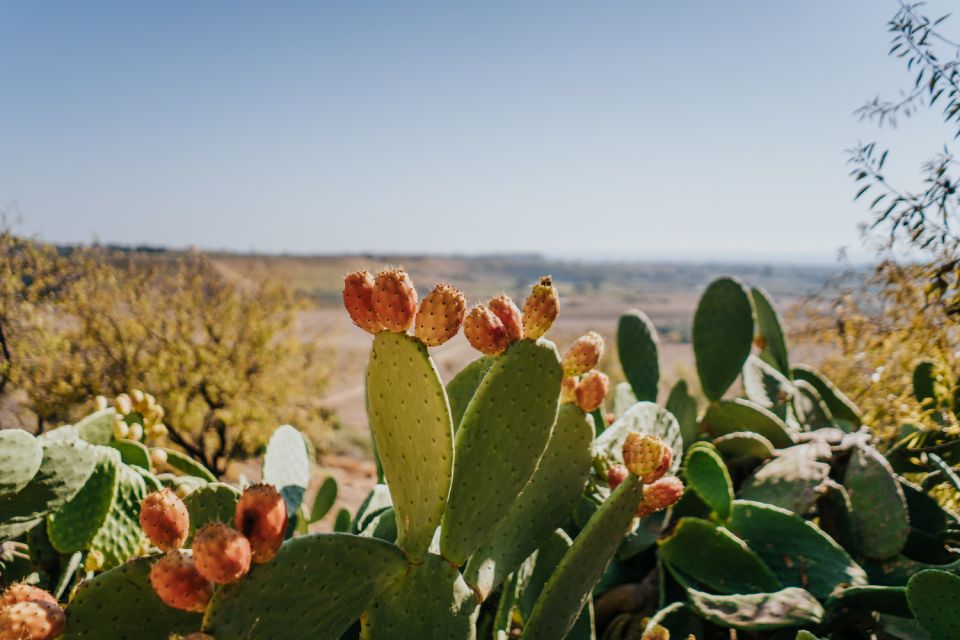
x=672, y=130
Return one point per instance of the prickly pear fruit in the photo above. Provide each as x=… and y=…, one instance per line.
x=165, y=519
x=591, y=390
x=642, y=454
x=656, y=632
x=261, y=516
x=485, y=332
x=509, y=313
x=583, y=354
x=540, y=309
x=31, y=620
x=568, y=391
x=358, y=299
x=395, y=300
x=177, y=582
x=659, y=495
x=615, y=475
x=22, y=592
x=665, y=461
x=440, y=316
x=221, y=553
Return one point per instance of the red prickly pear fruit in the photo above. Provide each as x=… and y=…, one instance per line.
x=261, y=516
x=485, y=331
x=659, y=495
x=165, y=519
x=177, y=582
x=591, y=390
x=583, y=354
x=395, y=300
x=665, y=461
x=31, y=620
x=540, y=309
x=221, y=553
x=509, y=313
x=568, y=390
x=22, y=592
x=440, y=315
x=358, y=299
x=642, y=454
x=615, y=475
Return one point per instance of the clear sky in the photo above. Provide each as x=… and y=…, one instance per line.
x=670, y=130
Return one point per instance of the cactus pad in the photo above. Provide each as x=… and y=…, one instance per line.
x=770, y=331
x=97, y=428
x=411, y=423
x=315, y=587
x=213, y=502
x=933, y=597
x=707, y=475
x=73, y=526
x=133, y=453
x=790, y=607
x=794, y=480
x=722, y=335
x=20, y=457
x=120, y=538
x=644, y=418
x=503, y=433
x=544, y=505
x=462, y=386
x=878, y=505
x=187, y=465
x=639, y=349
x=287, y=465
x=839, y=404
x=745, y=444
x=739, y=415
x=683, y=406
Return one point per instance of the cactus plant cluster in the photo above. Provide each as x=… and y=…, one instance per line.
x=508, y=505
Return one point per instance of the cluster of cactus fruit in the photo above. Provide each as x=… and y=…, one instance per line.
x=509, y=504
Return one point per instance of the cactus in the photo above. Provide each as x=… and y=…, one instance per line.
x=933, y=597
x=732, y=416
x=405, y=397
x=214, y=502
x=722, y=335
x=187, y=465
x=707, y=475
x=324, y=500
x=745, y=444
x=773, y=346
x=683, y=406
x=643, y=418
x=287, y=465
x=879, y=507
x=489, y=473
x=133, y=453
x=20, y=456
x=783, y=609
x=794, y=480
x=462, y=386
x=837, y=402
x=639, y=349
x=74, y=525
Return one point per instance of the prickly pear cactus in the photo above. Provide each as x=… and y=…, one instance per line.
x=933, y=597
x=411, y=422
x=773, y=347
x=20, y=456
x=288, y=465
x=73, y=527
x=722, y=335
x=639, y=349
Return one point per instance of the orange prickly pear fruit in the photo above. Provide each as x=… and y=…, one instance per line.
x=540, y=309
x=261, y=516
x=665, y=461
x=591, y=390
x=659, y=495
x=583, y=355
x=615, y=475
x=504, y=308
x=165, y=519
x=568, y=390
x=23, y=592
x=440, y=316
x=31, y=620
x=221, y=553
x=656, y=632
x=485, y=332
x=358, y=299
x=642, y=454
x=177, y=582
x=395, y=300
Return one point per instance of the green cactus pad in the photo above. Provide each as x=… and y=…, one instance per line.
x=120, y=538
x=925, y=383
x=933, y=597
x=97, y=428
x=639, y=349
x=536, y=571
x=462, y=386
x=572, y=582
x=765, y=386
x=683, y=406
x=546, y=502
x=707, y=475
x=376, y=501
x=133, y=453
x=644, y=418
x=315, y=587
x=889, y=600
x=623, y=398
x=722, y=335
x=213, y=502
x=811, y=410
x=382, y=526
x=73, y=527
x=187, y=465
x=717, y=558
x=324, y=500
x=411, y=423
x=769, y=328
x=287, y=465
x=121, y=605
x=798, y=551
x=20, y=457
x=66, y=466
x=839, y=404
x=879, y=507
x=431, y=602
x=794, y=480
x=151, y=481
x=745, y=444
x=739, y=415
x=502, y=435
x=790, y=607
